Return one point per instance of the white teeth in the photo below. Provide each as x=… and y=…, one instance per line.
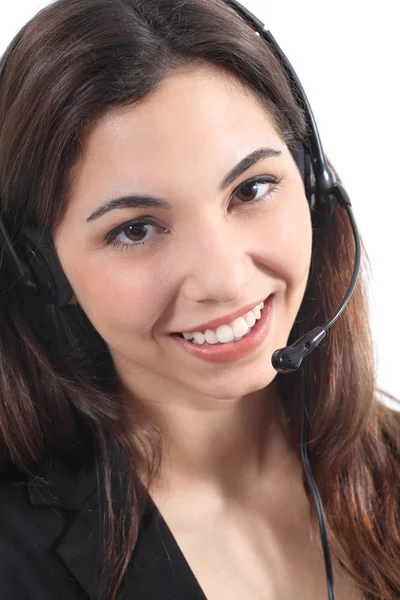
x=225, y=334
x=228, y=333
x=240, y=326
x=210, y=336
x=198, y=337
x=250, y=318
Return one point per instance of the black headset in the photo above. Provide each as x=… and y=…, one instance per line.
x=33, y=262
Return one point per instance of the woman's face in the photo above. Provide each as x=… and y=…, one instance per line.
x=207, y=253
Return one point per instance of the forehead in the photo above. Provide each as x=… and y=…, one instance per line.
x=199, y=118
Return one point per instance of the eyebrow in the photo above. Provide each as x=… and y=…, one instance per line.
x=138, y=201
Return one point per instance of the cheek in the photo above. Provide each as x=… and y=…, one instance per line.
x=297, y=244
x=285, y=240
x=119, y=295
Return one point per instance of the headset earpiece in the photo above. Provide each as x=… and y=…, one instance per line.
x=303, y=160
x=32, y=262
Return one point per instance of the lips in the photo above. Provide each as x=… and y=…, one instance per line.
x=222, y=320
x=232, y=351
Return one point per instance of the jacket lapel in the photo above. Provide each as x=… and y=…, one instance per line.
x=75, y=489
x=158, y=568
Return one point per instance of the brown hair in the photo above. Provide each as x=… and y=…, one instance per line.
x=76, y=60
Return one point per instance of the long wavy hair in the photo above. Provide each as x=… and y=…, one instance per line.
x=76, y=60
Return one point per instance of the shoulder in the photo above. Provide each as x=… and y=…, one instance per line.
x=51, y=538
x=36, y=514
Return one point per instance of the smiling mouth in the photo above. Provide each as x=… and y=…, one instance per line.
x=230, y=331
x=210, y=349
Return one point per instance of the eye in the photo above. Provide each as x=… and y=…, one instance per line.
x=134, y=232
x=257, y=189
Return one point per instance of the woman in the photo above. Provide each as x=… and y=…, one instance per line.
x=134, y=460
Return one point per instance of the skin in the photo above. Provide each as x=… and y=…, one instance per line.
x=227, y=458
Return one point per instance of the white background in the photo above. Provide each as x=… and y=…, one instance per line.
x=346, y=55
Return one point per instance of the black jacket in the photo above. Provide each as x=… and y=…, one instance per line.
x=50, y=540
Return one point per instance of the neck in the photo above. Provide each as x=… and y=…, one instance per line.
x=224, y=446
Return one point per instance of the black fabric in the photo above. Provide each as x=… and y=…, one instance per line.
x=50, y=540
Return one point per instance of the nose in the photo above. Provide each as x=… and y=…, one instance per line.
x=217, y=265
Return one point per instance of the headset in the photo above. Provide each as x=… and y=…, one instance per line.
x=34, y=264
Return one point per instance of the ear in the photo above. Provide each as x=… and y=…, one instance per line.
x=73, y=300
